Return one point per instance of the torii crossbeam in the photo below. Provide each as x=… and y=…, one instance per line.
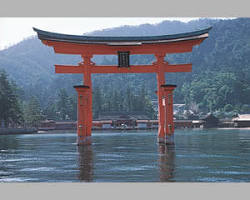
x=88, y=46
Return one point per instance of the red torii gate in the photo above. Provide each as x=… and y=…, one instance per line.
x=88, y=46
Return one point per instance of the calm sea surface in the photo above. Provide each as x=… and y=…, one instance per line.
x=198, y=156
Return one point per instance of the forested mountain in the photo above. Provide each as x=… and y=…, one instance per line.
x=220, y=79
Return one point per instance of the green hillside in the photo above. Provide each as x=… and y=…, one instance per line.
x=220, y=80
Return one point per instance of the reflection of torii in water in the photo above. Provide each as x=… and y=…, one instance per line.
x=166, y=162
x=85, y=163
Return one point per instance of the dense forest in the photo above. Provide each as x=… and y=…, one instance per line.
x=219, y=82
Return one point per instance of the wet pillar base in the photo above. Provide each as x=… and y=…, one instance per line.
x=168, y=140
x=161, y=140
x=83, y=140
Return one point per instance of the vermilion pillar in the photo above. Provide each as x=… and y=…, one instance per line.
x=167, y=103
x=88, y=82
x=160, y=75
x=83, y=114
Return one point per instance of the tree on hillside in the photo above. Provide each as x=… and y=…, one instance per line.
x=97, y=101
x=50, y=110
x=73, y=107
x=64, y=107
x=10, y=112
x=33, y=113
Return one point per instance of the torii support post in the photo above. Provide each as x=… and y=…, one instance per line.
x=83, y=115
x=160, y=75
x=166, y=102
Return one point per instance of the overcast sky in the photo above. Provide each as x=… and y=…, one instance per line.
x=13, y=30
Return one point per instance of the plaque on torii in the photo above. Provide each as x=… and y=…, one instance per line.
x=88, y=46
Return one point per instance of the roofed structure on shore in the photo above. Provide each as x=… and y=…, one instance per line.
x=122, y=116
x=242, y=120
x=210, y=121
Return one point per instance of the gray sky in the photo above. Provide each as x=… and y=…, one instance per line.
x=13, y=30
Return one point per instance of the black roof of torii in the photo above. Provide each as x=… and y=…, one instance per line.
x=126, y=40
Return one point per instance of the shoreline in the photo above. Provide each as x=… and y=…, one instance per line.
x=114, y=130
x=239, y=128
x=17, y=131
x=23, y=131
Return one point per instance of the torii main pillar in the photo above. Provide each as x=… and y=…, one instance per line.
x=167, y=103
x=83, y=114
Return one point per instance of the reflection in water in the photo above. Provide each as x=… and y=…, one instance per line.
x=166, y=162
x=8, y=143
x=8, y=151
x=85, y=163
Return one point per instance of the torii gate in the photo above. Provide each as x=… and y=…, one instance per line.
x=88, y=46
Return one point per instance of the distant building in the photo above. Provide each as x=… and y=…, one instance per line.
x=242, y=121
x=155, y=104
x=197, y=123
x=146, y=124
x=105, y=124
x=183, y=123
x=121, y=115
x=210, y=121
x=47, y=125
x=141, y=124
x=66, y=125
x=120, y=119
x=179, y=108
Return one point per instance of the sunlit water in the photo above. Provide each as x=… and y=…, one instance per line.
x=198, y=156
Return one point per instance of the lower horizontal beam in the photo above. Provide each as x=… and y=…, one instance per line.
x=68, y=69
x=131, y=69
x=116, y=69
x=178, y=68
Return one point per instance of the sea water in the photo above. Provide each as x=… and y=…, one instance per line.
x=198, y=155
